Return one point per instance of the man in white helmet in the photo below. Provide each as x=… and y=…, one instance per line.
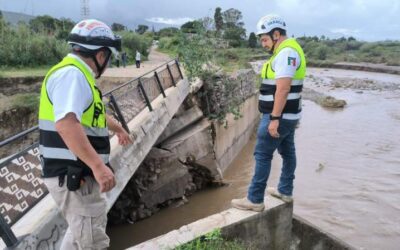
x=74, y=142
x=280, y=103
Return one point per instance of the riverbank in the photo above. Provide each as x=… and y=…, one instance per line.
x=347, y=177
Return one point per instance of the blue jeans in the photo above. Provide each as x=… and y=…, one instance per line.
x=263, y=153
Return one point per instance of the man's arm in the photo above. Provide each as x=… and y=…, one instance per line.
x=74, y=136
x=282, y=91
x=123, y=137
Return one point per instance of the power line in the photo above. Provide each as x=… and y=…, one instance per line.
x=27, y=7
x=85, y=10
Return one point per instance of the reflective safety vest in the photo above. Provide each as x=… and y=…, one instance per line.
x=56, y=157
x=268, y=86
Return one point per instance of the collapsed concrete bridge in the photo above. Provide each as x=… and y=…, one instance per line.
x=158, y=109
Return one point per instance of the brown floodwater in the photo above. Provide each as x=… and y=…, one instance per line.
x=348, y=173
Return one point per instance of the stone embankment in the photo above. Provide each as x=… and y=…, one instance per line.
x=16, y=119
x=193, y=151
x=15, y=85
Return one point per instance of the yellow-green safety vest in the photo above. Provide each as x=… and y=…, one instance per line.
x=268, y=86
x=55, y=155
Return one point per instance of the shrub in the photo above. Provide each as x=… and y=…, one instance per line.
x=133, y=41
x=211, y=241
x=21, y=47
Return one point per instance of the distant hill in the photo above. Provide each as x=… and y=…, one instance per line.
x=13, y=17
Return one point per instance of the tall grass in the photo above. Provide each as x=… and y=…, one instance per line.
x=20, y=47
x=211, y=241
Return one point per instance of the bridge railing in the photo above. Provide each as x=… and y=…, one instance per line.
x=21, y=186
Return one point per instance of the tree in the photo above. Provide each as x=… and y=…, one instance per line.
x=170, y=31
x=233, y=27
x=118, y=27
x=64, y=27
x=207, y=23
x=45, y=24
x=3, y=26
x=232, y=17
x=141, y=28
x=219, y=22
x=191, y=27
x=321, y=52
x=64, y=24
x=235, y=35
x=252, y=40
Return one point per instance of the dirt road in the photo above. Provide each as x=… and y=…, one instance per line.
x=155, y=59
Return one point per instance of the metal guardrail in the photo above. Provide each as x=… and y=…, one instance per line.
x=21, y=186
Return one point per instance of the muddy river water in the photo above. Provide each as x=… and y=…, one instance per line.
x=348, y=174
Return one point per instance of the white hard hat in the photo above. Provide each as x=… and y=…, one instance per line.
x=93, y=34
x=268, y=23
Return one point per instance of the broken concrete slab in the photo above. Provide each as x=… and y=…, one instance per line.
x=180, y=122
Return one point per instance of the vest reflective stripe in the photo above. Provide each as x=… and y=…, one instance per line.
x=64, y=154
x=288, y=116
x=268, y=86
x=56, y=157
x=57, y=153
x=273, y=82
x=269, y=98
x=50, y=126
x=266, y=89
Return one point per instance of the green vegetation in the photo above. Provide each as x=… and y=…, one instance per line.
x=22, y=46
x=211, y=241
x=118, y=27
x=24, y=72
x=42, y=43
x=203, y=52
x=234, y=32
x=141, y=29
x=323, y=50
x=219, y=21
x=26, y=100
x=200, y=45
x=133, y=41
x=252, y=40
x=223, y=43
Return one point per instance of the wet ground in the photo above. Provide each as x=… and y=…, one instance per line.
x=347, y=181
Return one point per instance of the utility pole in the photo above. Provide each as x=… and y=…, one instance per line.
x=85, y=11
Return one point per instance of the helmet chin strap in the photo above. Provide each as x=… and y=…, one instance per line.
x=274, y=41
x=100, y=68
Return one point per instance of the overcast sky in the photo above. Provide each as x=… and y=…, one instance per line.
x=369, y=20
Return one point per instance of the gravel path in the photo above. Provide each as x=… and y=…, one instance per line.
x=155, y=59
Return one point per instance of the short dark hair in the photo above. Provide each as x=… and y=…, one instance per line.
x=281, y=31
